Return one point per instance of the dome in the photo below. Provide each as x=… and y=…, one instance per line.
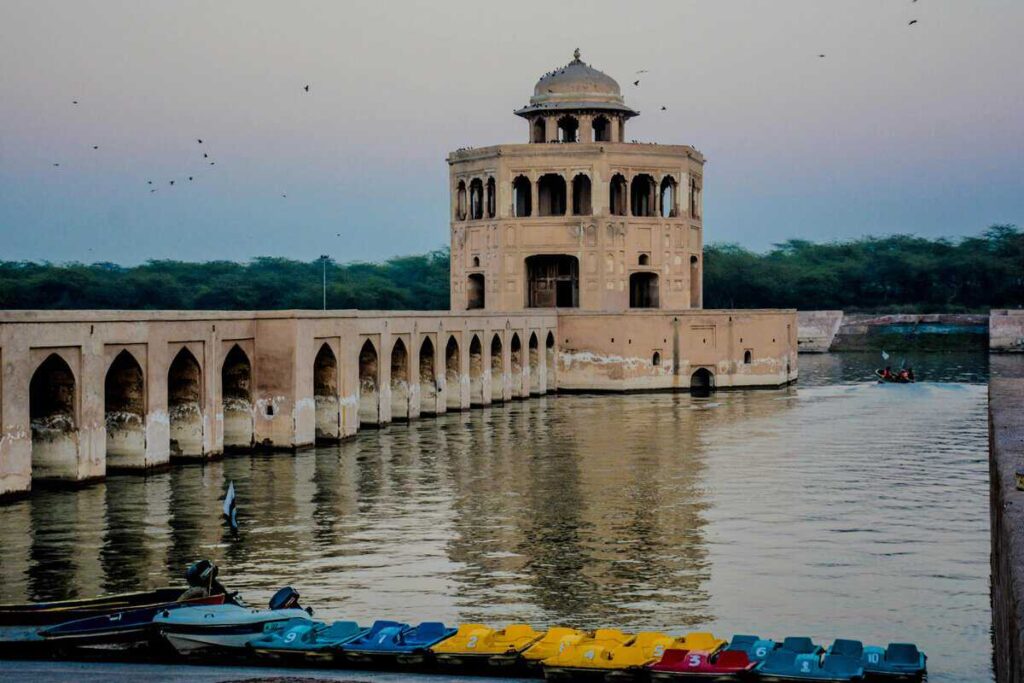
x=576, y=86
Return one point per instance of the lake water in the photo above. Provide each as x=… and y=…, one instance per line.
x=836, y=508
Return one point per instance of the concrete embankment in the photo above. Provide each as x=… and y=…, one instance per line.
x=1000, y=331
x=1006, y=455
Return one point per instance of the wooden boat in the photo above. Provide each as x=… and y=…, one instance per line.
x=50, y=613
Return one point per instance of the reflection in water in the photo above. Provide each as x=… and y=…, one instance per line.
x=837, y=508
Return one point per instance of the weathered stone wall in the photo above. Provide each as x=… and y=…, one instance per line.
x=1006, y=331
x=1006, y=454
x=816, y=330
x=921, y=332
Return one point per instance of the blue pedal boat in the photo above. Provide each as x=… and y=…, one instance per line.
x=392, y=641
x=898, y=662
x=301, y=640
x=755, y=647
x=786, y=665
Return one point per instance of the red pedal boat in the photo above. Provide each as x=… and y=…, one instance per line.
x=701, y=665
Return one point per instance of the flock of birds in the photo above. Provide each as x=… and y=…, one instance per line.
x=170, y=183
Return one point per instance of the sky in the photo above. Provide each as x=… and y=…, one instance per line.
x=898, y=129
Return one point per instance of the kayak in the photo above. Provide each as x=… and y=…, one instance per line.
x=882, y=379
x=199, y=630
x=392, y=641
x=117, y=629
x=304, y=640
x=475, y=644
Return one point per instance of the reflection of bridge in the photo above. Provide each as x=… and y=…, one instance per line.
x=85, y=392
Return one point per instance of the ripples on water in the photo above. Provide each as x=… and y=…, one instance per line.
x=837, y=508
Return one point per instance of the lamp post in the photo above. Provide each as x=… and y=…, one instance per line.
x=323, y=260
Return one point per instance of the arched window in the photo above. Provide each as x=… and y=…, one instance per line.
x=694, y=199
x=475, y=291
x=746, y=357
x=656, y=359
x=581, y=202
x=52, y=410
x=476, y=261
x=602, y=129
x=694, y=282
x=453, y=374
x=617, y=195
x=568, y=129
x=325, y=394
x=668, y=197
x=460, y=201
x=476, y=199
x=492, y=199
x=641, y=195
x=236, y=395
x=369, y=382
x=522, y=199
x=551, y=195
x=539, y=130
x=644, y=260
x=643, y=290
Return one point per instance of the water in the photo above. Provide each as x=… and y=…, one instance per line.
x=837, y=508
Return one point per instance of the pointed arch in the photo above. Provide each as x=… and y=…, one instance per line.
x=549, y=361
x=522, y=197
x=399, y=381
x=453, y=374
x=53, y=416
x=516, y=357
x=476, y=372
x=124, y=412
x=497, y=370
x=534, y=359
x=702, y=382
x=369, y=383
x=428, y=379
x=184, y=405
x=236, y=399
x=326, y=395
x=618, y=195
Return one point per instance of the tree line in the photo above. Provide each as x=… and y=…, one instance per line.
x=898, y=274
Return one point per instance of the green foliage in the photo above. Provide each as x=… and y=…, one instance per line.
x=898, y=273
x=408, y=282
x=901, y=273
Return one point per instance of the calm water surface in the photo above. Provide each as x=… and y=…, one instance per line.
x=836, y=508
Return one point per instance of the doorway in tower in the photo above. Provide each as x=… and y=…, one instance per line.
x=643, y=290
x=553, y=281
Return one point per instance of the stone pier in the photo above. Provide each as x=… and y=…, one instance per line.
x=1006, y=453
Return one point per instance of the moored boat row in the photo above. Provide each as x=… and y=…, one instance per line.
x=206, y=622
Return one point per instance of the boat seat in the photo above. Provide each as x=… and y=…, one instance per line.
x=430, y=630
x=800, y=645
x=902, y=653
x=743, y=643
x=779, y=660
x=337, y=632
x=673, y=658
x=733, y=659
x=762, y=648
x=847, y=648
x=843, y=665
x=702, y=640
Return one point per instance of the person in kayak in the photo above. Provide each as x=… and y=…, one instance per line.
x=201, y=578
x=887, y=373
x=910, y=374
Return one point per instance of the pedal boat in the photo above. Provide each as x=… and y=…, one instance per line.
x=303, y=641
x=193, y=631
x=897, y=662
x=117, y=630
x=755, y=647
x=476, y=645
x=555, y=641
x=612, y=655
x=787, y=665
x=392, y=642
x=702, y=665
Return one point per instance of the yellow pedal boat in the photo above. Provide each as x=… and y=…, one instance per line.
x=475, y=644
x=612, y=654
x=554, y=642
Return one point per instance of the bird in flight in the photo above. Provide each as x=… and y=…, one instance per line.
x=205, y=155
x=636, y=82
x=56, y=164
x=172, y=182
x=664, y=108
x=95, y=146
x=190, y=178
x=199, y=140
x=149, y=182
x=912, y=22
x=211, y=163
x=74, y=101
x=821, y=56
x=285, y=196
x=306, y=88
x=642, y=71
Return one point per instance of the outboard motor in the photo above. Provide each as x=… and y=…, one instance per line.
x=201, y=574
x=287, y=598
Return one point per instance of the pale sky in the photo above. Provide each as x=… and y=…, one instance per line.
x=912, y=129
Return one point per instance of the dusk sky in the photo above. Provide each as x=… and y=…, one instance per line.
x=910, y=129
